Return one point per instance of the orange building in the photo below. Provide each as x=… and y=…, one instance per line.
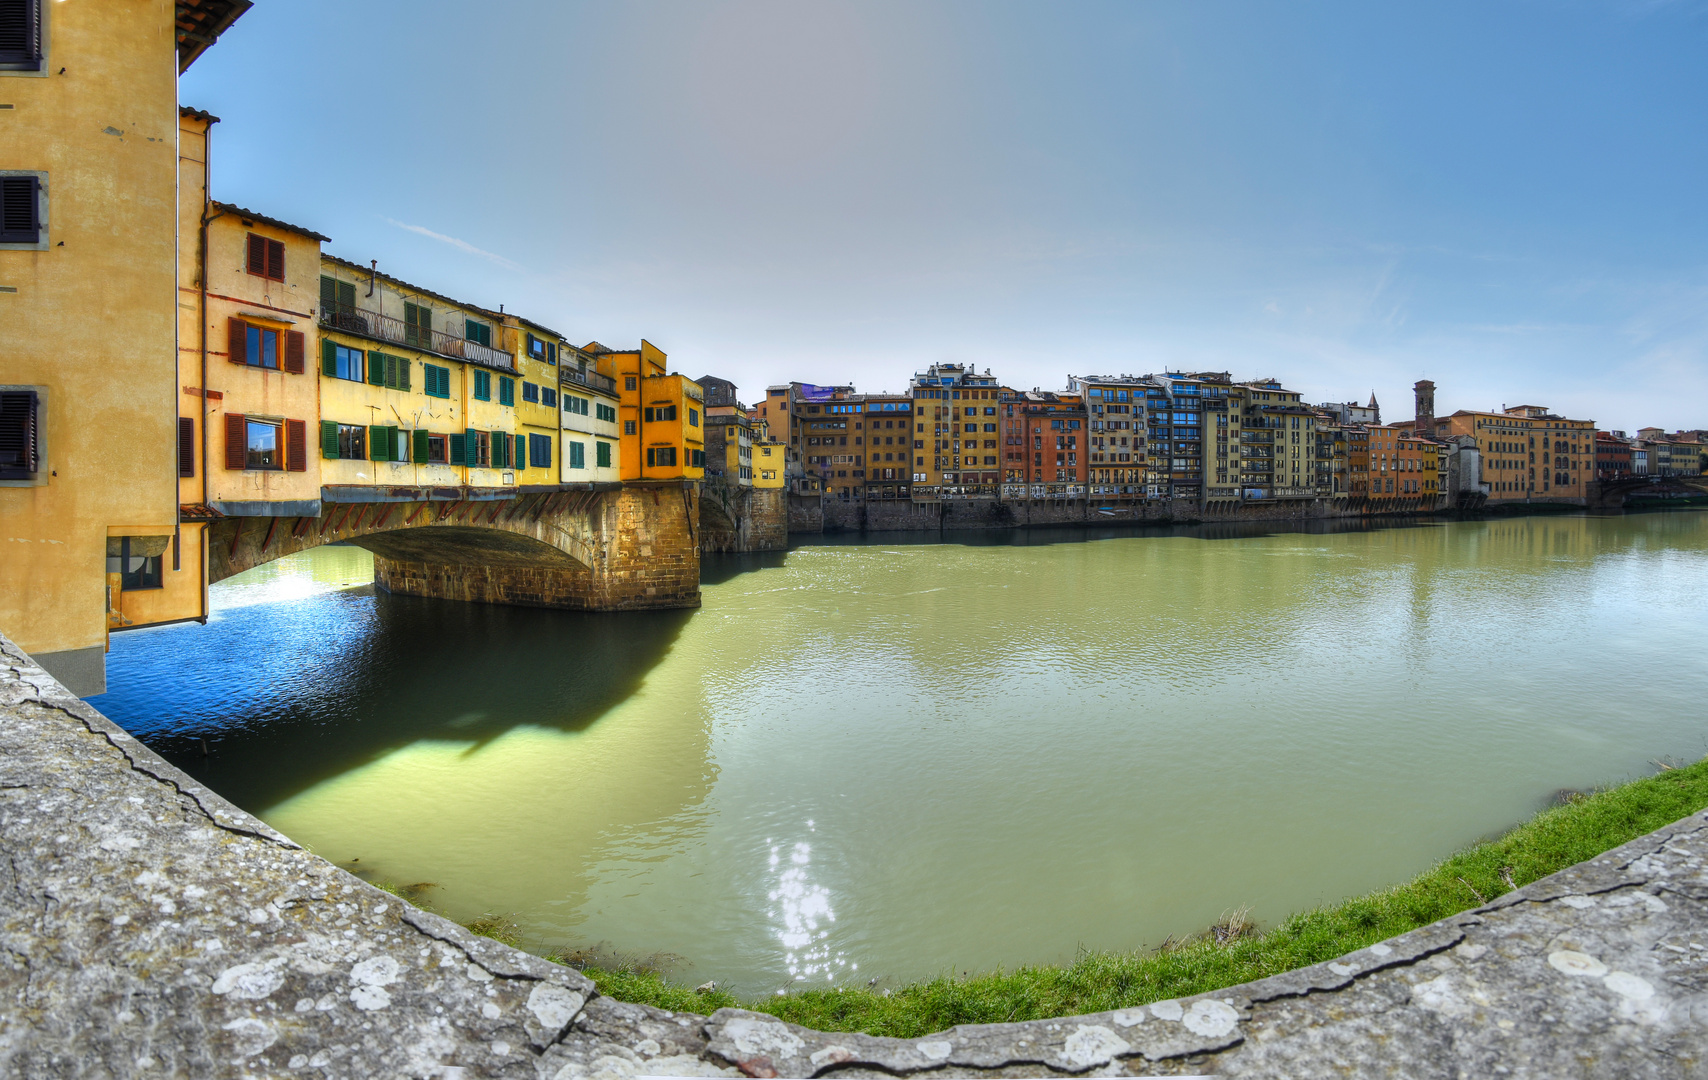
x=1046, y=435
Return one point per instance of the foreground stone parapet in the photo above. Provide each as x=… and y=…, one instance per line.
x=152, y=929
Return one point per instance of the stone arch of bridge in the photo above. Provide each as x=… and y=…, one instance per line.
x=544, y=531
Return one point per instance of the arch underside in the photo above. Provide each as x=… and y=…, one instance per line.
x=468, y=546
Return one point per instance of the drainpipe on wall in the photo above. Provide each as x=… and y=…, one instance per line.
x=202, y=321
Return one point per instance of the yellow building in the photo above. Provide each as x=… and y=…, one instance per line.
x=89, y=367
x=768, y=465
x=535, y=351
x=417, y=389
x=662, y=414
x=1528, y=453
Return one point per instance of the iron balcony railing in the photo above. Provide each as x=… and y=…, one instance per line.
x=590, y=379
x=372, y=324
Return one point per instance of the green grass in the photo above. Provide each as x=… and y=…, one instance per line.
x=1584, y=827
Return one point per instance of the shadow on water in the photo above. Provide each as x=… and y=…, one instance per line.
x=289, y=694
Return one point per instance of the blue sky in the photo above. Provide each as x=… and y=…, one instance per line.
x=1507, y=198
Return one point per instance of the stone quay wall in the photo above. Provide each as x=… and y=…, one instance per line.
x=743, y=519
x=151, y=929
x=903, y=515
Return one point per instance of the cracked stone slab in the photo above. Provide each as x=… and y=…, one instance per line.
x=150, y=928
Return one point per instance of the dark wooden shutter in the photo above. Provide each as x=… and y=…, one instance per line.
x=186, y=446
x=420, y=447
x=20, y=33
x=276, y=260
x=257, y=254
x=295, y=346
x=328, y=358
x=18, y=421
x=18, y=199
x=238, y=347
x=296, y=446
x=328, y=439
x=236, y=441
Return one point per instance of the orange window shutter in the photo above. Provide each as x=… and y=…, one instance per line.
x=295, y=347
x=237, y=350
x=296, y=446
x=236, y=441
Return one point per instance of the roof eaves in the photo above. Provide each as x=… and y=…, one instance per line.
x=274, y=222
x=488, y=312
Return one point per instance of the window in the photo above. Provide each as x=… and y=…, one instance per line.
x=539, y=451
x=21, y=35
x=602, y=454
x=392, y=372
x=693, y=417
x=506, y=390
x=697, y=459
x=605, y=412
x=530, y=392
x=477, y=332
x=657, y=414
x=340, y=361
x=417, y=325
x=628, y=427
x=436, y=380
x=548, y=397
x=266, y=258
x=20, y=201
x=536, y=348
x=576, y=405
x=186, y=447
x=137, y=570
x=478, y=449
x=577, y=455
x=436, y=449
x=348, y=441
x=659, y=456
x=628, y=382
x=483, y=386
x=20, y=435
x=263, y=445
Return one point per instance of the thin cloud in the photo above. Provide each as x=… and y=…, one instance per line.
x=460, y=245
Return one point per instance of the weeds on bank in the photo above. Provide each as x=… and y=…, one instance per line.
x=1230, y=952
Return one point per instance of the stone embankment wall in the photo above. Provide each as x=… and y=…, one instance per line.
x=151, y=929
x=903, y=515
x=743, y=519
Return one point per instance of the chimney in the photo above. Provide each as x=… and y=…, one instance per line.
x=1425, y=391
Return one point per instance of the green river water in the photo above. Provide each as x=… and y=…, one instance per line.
x=895, y=757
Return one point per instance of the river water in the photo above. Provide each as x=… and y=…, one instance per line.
x=900, y=757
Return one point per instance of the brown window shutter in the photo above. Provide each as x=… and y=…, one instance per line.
x=257, y=254
x=296, y=446
x=276, y=260
x=237, y=349
x=236, y=441
x=186, y=446
x=294, y=347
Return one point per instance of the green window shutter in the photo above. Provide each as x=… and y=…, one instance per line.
x=328, y=353
x=457, y=443
x=376, y=368
x=500, y=443
x=603, y=454
x=377, y=446
x=328, y=293
x=420, y=447
x=328, y=439
x=403, y=374
x=471, y=446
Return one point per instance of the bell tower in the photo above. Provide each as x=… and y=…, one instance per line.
x=1425, y=391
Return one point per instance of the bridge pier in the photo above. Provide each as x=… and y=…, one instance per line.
x=621, y=548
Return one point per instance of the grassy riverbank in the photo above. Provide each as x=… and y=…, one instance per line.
x=1226, y=955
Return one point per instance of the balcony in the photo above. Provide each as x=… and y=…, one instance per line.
x=372, y=324
x=590, y=379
